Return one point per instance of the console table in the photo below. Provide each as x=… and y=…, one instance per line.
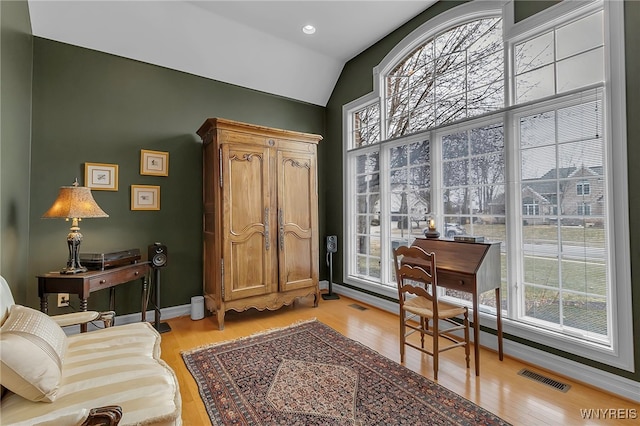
x=469, y=267
x=85, y=283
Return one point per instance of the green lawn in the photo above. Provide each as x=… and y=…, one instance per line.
x=582, y=301
x=590, y=237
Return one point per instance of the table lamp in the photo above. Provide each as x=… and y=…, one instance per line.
x=76, y=203
x=431, y=231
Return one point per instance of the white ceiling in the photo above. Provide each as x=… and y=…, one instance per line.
x=254, y=44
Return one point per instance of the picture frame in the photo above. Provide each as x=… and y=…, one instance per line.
x=154, y=163
x=101, y=176
x=145, y=197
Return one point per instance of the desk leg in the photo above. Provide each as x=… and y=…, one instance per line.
x=112, y=303
x=145, y=290
x=44, y=304
x=476, y=334
x=499, y=324
x=44, y=297
x=112, y=299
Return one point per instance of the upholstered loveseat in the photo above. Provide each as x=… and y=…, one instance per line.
x=55, y=379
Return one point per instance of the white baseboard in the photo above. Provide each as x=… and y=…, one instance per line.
x=165, y=313
x=600, y=379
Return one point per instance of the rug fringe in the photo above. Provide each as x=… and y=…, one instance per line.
x=259, y=333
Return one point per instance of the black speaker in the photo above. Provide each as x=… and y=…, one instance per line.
x=158, y=255
x=332, y=243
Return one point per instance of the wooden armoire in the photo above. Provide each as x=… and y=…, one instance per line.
x=260, y=216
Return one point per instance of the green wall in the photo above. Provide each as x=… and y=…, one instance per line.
x=15, y=145
x=356, y=80
x=525, y=8
x=94, y=107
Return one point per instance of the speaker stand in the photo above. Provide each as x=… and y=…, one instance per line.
x=331, y=295
x=162, y=327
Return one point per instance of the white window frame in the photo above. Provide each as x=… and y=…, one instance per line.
x=620, y=353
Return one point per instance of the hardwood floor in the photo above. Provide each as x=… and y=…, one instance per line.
x=499, y=388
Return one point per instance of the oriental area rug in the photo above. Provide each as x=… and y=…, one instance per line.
x=309, y=374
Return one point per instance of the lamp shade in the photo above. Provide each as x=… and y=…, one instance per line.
x=74, y=202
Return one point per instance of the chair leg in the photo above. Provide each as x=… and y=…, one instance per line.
x=422, y=329
x=402, y=336
x=436, y=337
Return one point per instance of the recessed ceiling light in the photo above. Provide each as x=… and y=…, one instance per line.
x=308, y=29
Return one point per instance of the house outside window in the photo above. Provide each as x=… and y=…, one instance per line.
x=465, y=108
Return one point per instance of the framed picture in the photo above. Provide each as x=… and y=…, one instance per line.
x=101, y=176
x=154, y=163
x=145, y=197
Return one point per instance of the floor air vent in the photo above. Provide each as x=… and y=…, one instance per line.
x=358, y=307
x=562, y=387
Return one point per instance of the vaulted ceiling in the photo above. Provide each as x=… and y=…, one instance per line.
x=255, y=44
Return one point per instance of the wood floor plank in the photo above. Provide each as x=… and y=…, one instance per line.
x=499, y=388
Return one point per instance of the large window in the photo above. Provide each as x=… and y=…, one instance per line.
x=564, y=253
x=503, y=134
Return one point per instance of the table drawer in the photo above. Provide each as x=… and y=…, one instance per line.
x=119, y=277
x=455, y=281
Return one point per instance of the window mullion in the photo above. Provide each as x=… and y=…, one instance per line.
x=350, y=248
x=513, y=216
x=383, y=113
x=437, y=204
x=385, y=215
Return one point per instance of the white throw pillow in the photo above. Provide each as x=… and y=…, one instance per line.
x=32, y=347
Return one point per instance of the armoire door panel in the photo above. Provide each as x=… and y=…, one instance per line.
x=297, y=202
x=248, y=265
x=247, y=274
x=298, y=269
x=298, y=185
x=248, y=174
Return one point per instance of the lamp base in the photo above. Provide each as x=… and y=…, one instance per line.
x=73, y=242
x=70, y=270
x=432, y=234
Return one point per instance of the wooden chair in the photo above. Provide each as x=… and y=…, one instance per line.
x=416, y=301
